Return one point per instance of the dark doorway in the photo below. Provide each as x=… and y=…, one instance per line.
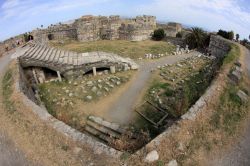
x=50, y=36
x=30, y=37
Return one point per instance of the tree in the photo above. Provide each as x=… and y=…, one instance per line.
x=231, y=35
x=237, y=37
x=159, y=34
x=244, y=42
x=226, y=34
x=223, y=33
x=197, y=39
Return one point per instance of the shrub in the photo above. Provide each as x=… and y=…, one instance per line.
x=226, y=34
x=159, y=34
x=197, y=39
x=179, y=35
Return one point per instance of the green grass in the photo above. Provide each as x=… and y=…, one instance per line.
x=7, y=91
x=230, y=111
x=121, y=47
x=232, y=55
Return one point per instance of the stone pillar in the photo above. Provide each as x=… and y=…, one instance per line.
x=112, y=69
x=34, y=74
x=59, y=76
x=177, y=49
x=94, y=71
x=126, y=67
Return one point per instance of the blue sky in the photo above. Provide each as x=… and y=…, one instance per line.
x=19, y=16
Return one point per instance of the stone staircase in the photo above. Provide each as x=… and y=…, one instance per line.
x=70, y=63
x=102, y=129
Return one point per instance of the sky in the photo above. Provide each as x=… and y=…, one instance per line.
x=19, y=16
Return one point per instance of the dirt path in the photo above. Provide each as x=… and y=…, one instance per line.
x=9, y=154
x=122, y=110
x=240, y=153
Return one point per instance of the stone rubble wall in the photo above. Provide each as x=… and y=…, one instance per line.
x=92, y=28
x=171, y=29
x=23, y=85
x=219, y=46
x=27, y=96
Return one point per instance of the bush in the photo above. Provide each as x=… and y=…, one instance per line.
x=159, y=34
x=198, y=38
x=226, y=34
x=179, y=35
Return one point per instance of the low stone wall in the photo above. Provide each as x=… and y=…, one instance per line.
x=23, y=85
x=98, y=147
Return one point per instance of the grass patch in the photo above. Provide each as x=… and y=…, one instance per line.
x=121, y=47
x=7, y=91
x=229, y=112
x=232, y=55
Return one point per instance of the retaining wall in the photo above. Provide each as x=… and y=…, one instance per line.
x=28, y=98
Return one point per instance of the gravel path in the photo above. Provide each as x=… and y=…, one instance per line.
x=123, y=109
x=240, y=153
x=9, y=154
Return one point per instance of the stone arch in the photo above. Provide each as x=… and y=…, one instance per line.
x=30, y=37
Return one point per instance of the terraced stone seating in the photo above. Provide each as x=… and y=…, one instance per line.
x=71, y=63
x=102, y=129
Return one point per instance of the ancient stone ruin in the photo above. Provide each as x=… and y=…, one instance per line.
x=91, y=28
x=69, y=63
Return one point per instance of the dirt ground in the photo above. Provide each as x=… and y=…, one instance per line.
x=9, y=154
x=238, y=154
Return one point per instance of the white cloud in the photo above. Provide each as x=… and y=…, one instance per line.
x=10, y=3
x=211, y=14
x=27, y=8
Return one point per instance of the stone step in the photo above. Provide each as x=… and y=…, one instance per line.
x=97, y=133
x=103, y=129
x=81, y=59
x=38, y=48
x=31, y=48
x=71, y=58
x=115, y=127
x=75, y=59
x=57, y=56
x=52, y=56
x=48, y=55
x=60, y=61
x=44, y=54
x=66, y=57
x=38, y=54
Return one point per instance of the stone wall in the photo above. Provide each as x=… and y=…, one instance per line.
x=55, y=32
x=92, y=28
x=219, y=46
x=24, y=85
x=171, y=28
